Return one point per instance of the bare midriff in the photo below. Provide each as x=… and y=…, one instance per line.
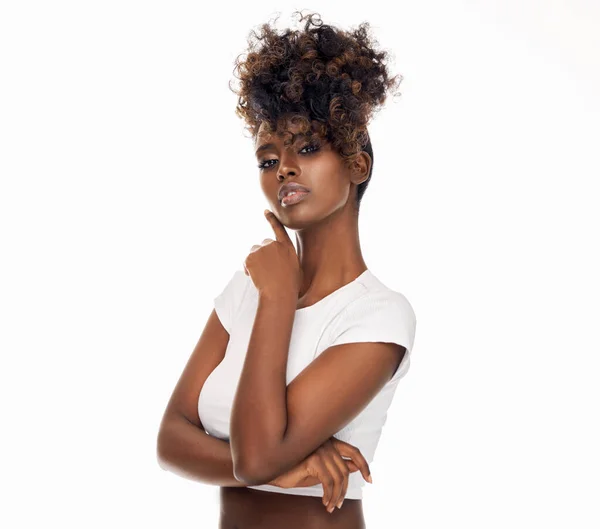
x=245, y=508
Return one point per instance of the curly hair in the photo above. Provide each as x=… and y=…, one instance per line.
x=327, y=80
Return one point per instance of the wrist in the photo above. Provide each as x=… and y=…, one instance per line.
x=283, y=297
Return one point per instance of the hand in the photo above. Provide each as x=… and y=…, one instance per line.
x=326, y=465
x=274, y=266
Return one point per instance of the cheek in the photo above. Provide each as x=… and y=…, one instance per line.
x=332, y=186
x=342, y=195
x=268, y=188
x=270, y=191
x=329, y=196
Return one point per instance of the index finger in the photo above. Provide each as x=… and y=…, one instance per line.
x=360, y=461
x=280, y=234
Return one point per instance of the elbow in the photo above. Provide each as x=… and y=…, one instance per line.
x=250, y=474
x=160, y=459
x=161, y=462
x=254, y=464
x=247, y=479
x=242, y=472
x=161, y=451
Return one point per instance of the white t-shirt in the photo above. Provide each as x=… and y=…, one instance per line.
x=364, y=310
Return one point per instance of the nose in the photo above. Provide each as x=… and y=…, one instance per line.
x=286, y=171
x=287, y=167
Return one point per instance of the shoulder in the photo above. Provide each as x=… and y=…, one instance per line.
x=231, y=297
x=379, y=303
x=378, y=297
x=376, y=314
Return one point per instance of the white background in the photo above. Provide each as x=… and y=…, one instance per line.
x=130, y=194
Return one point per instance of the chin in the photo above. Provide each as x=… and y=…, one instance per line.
x=294, y=217
x=298, y=219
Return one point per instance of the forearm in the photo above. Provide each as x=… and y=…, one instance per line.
x=259, y=412
x=190, y=452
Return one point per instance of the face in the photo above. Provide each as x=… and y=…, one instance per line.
x=311, y=162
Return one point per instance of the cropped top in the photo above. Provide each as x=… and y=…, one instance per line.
x=364, y=310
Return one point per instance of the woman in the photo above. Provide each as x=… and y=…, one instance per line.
x=301, y=357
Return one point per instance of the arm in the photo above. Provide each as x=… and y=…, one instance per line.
x=259, y=413
x=273, y=427
x=183, y=446
x=190, y=452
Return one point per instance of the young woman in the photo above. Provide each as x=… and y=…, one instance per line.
x=284, y=398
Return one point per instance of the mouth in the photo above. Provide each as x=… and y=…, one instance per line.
x=293, y=197
x=289, y=188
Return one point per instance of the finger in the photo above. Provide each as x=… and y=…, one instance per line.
x=354, y=453
x=341, y=463
x=338, y=480
x=280, y=234
x=362, y=464
x=350, y=464
x=325, y=478
x=352, y=467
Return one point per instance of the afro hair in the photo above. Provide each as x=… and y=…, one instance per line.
x=327, y=80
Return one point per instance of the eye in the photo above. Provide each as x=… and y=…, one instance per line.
x=313, y=146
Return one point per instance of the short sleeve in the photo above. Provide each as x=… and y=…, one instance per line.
x=379, y=316
x=227, y=303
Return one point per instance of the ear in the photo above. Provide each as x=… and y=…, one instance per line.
x=360, y=168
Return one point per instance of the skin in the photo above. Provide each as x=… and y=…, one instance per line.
x=326, y=221
x=329, y=253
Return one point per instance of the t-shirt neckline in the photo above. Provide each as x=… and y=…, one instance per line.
x=342, y=288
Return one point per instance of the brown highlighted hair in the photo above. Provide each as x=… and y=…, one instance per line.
x=329, y=81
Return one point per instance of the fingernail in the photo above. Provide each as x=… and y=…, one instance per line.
x=369, y=479
x=339, y=505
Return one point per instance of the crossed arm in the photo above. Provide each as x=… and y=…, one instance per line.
x=274, y=426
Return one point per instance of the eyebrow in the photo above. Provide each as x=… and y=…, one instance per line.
x=266, y=146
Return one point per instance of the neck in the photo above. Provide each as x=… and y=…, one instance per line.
x=329, y=253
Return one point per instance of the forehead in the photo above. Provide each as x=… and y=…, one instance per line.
x=287, y=129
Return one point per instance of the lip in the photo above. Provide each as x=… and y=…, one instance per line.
x=294, y=199
x=292, y=186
